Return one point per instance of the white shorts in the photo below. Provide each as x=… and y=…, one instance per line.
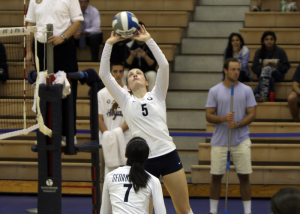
x=241, y=156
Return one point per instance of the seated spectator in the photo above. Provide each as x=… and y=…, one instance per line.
x=294, y=97
x=138, y=55
x=270, y=64
x=3, y=64
x=236, y=48
x=291, y=6
x=286, y=201
x=89, y=33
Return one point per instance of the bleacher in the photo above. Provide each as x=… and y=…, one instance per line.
x=193, y=71
x=275, y=160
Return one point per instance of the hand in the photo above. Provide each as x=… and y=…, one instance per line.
x=77, y=34
x=233, y=125
x=273, y=64
x=29, y=58
x=57, y=40
x=266, y=64
x=141, y=53
x=133, y=53
x=142, y=34
x=229, y=117
x=114, y=38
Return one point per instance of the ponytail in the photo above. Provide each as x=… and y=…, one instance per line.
x=137, y=152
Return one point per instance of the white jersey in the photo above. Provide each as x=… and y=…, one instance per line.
x=110, y=120
x=60, y=13
x=119, y=194
x=146, y=117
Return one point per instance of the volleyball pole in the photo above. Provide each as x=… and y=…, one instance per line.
x=228, y=153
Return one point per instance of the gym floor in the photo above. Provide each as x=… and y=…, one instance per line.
x=17, y=204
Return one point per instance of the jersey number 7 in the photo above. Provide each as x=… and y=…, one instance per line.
x=129, y=186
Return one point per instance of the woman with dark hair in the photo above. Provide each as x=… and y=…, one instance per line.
x=129, y=189
x=146, y=116
x=236, y=48
x=270, y=64
x=286, y=201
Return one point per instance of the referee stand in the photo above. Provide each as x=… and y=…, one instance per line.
x=49, y=149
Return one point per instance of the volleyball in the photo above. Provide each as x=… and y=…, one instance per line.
x=125, y=24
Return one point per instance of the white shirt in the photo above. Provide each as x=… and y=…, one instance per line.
x=60, y=13
x=111, y=121
x=146, y=117
x=119, y=194
x=92, y=20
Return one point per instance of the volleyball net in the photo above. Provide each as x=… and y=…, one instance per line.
x=17, y=96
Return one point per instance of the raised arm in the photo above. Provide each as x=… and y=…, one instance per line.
x=162, y=79
x=106, y=204
x=110, y=83
x=157, y=196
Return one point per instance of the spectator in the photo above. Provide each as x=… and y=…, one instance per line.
x=66, y=18
x=291, y=6
x=109, y=120
x=270, y=64
x=236, y=48
x=294, y=97
x=89, y=33
x=286, y=201
x=3, y=64
x=138, y=55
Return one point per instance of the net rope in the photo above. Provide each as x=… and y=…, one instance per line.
x=16, y=94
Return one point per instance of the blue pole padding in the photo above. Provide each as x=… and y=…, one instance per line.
x=225, y=212
x=232, y=89
x=228, y=160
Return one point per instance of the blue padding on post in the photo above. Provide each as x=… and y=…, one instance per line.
x=228, y=160
x=232, y=89
x=225, y=212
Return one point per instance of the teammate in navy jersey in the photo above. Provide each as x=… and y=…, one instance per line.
x=145, y=115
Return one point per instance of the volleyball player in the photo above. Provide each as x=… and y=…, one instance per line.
x=129, y=189
x=145, y=114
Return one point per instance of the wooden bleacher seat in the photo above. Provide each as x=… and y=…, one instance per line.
x=265, y=175
x=261, y=152
x=282, y=89
x=292, y=51
x=272, y=19
x=285, y=36
x=129, y=5
x=150, y=18
x=266, y=127
x=288, y=76
x=85, y=53
x=271, y=4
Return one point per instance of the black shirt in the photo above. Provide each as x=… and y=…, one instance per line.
x=139, y=62
x=296, y=77
x=3, y=63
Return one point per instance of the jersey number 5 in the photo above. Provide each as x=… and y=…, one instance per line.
x=144, y=109
x=129, y=186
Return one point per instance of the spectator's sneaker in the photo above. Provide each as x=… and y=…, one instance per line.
x=291, y=7
x=256, y=8
x=63, y=141
x=260, y=99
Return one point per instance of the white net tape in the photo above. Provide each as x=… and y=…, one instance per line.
x=22, y=31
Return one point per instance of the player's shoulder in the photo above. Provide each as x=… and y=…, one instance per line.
x=216, y=88
x=153, y=180
x=102, y=91
x=245, y=87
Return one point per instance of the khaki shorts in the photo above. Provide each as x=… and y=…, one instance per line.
x=241, y=156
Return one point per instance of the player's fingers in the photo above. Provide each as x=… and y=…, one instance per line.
x=112, y=34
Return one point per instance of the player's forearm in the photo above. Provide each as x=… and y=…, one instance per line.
x=149, y=61
x=102, y=126
x=215, y=119
x=72, y=29
x=249, y=118
x=129, y=60
x=124, y=127
x=296, y=88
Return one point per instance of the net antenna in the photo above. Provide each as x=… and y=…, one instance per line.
x=17, y=118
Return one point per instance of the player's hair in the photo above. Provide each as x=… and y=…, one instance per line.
x=115, y=63
x=229, y=49
x=286, y=201
x=263, y=49
x=137, y=152
x=115, y=105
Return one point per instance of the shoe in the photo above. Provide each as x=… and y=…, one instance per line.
x=256, y=8
x=64, y=140
x=291, y=7
x=261, y=99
